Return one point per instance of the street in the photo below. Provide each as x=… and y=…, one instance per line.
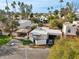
x=27, y=53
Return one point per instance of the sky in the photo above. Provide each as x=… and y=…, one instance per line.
x=39, y=6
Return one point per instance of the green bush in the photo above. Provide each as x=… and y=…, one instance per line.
x=26, y=42
x=4, y=40
x=40, y=24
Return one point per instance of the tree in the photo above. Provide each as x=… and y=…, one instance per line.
x=21, y=8
x=71, y=17
x=2, y=12
x=61, y=1
x=56, y=12
x=28, y=8
x=53, y=23
x=72, y=6
x=24, y=9
x=50, y=9
x=3, y=19
x=10, y=23
x=14, y=5
x=7, y=8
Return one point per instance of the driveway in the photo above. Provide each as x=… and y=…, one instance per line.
x=27, y=53
x=36, y=53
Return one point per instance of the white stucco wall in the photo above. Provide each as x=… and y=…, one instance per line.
x=39, y=39
x=40, y=42
x=70, y=27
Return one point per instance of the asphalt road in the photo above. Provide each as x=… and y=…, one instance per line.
x=27, y=53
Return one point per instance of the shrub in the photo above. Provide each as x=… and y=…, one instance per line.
x=65, y=49
x=26, y=42
x=40, y=24
x=4, y=40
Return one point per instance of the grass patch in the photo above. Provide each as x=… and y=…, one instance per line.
x=67, y=48
x=26, y=42
x=4, y=40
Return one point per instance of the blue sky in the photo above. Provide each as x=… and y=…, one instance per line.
x=38, y=5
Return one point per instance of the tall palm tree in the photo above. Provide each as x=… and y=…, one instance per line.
x=50, y=9
x=7, y=8
x=61, y=1
x=14, y=5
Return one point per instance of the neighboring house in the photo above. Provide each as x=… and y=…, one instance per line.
x=69, y=29
x=2, y=27
x=25, y=24
x=43, y=36
x=43, y=19
x=24, y=28
x=77, y=25
x=77, y=14
x=22, y=33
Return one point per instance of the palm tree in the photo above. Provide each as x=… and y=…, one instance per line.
x=7, y=8
x=13, y=5
x=61, y=1
x=30, y=8
x=24, y=9
x=50, y=9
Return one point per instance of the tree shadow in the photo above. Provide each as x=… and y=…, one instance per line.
x=7, y=50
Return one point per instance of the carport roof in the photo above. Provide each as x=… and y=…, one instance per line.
x=38, y=32
x=44, y=31
x=54, y=32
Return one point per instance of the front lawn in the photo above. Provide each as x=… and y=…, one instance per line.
x=4, y=40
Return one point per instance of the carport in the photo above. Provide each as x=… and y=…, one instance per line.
x=52, y=34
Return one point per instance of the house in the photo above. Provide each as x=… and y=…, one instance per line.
x=2, y=27
x=24, y=23
x=38, y=36
x=43, y=19
x=43, y=36
x=69, y=29
x=22, y=33
x=77, y=26
x=77, y=14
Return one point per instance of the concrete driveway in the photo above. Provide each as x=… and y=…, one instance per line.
x=27, y=53
x=37, y=53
